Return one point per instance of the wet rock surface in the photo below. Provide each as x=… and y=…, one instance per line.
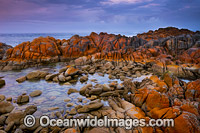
x=22, y=99
x=156, y=97
x=2, y=82
x=35, y=93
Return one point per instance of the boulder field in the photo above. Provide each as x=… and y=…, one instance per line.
x=166, y=55
x=164, y=97
x=166, y=49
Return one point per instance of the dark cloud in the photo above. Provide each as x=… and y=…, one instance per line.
x=112, y=15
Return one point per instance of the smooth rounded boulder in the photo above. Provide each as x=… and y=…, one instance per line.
x=2, y=82
x=5, y=107
x=35, y=93
x=71, y=71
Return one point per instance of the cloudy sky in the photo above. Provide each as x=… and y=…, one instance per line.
x=117, y=16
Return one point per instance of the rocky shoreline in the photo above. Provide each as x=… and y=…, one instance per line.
x=166, y=49
x=163, y=56
x=154, y=97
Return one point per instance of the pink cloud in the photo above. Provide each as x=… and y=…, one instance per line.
x=149, y=5
x=113, y=2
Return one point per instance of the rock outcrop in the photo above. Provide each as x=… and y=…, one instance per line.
x=3, y=49
x=166, y=49
x=167, y=46
x=163, y=33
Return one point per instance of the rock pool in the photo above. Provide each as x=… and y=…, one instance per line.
x=53, y=94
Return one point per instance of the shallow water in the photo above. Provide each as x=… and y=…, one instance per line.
x=53, y=94
x=186, y=80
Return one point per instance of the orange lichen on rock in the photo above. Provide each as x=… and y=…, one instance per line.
x=193, y=90
x=165, y=52
x=37, y=49
x=164, y=32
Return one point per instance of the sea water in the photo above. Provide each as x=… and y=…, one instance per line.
x=14, y=39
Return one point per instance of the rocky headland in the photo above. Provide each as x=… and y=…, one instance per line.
x=166, y=49
x=167, y=55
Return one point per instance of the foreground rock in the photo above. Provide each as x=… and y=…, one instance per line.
x=21, y=79
x=36, y=75
x=71, y=71
x=193, y=91
x=5, y=107
x=22, y=99
x=2, y=82
x=35, y=93
x=2, y=97
x=94, y=105
x=180, y=71
x=164, y=97
x=84, y=78
x=3, y=49
x=71, y=90
x=10, y=120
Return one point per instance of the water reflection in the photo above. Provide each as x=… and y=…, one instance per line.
x=53, y=94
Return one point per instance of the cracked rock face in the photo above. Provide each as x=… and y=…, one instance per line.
x=169, y=48
x=169, y=53
x=3, y=49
